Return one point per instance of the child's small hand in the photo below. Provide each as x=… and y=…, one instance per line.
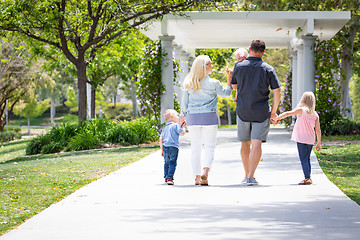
x=318, y=146
x=182, y=122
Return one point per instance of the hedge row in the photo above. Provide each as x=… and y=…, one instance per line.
x=93, y=134
x=11, y=134
x=342, y=126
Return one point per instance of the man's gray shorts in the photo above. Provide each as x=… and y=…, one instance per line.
x=252, y=130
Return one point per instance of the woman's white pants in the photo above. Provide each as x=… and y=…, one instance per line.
x=202, y=135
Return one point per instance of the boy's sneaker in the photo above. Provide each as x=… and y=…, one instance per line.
x=170, y=181
x=251, y=182
x=244, y=181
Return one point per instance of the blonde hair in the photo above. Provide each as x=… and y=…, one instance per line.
x=308, y=101
x=168, y=113
x=197, y=73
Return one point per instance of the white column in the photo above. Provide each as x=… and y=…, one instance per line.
x=184, y=66
x=177, y=86
x=88, y=93
x=300, y=71
x=52, y=111
x=294, y=66
x=167, y=99
x=309, y=63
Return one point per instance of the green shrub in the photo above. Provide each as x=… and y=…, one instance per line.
x=52, y=147
x=98, y=127
x=62, y=108
x=135, y=132
x=83, y=140
x=54, y=141
x=37, y=143
x=342, y=126
x=328, y=96
x=9, y=135
x=145, y=129
x=122, y=111
x=14, y=129
x=91, y=134
x=121, y=134
x=63, y=133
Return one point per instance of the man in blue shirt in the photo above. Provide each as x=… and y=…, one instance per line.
x=252, y=79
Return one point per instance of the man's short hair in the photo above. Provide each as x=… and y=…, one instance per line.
x=258, y=46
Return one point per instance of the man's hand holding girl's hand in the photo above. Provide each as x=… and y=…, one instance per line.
x=274, y=119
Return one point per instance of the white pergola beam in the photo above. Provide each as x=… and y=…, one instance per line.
x=309, y=27
x=238, y=29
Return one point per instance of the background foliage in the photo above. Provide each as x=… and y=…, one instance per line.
x=150, y=88
x=94, y=133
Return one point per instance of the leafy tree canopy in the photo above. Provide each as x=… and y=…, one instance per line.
x=79, y=28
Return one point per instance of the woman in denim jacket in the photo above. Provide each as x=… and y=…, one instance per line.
x=198, y=112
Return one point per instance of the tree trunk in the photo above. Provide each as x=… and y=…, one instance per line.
x=28, y=126
x=133, y=99
x=52, y=112
x=2, y=122
x=93, y=93
x=346, y=106
x=347, y=65
x=115, y=99
x=82, y=79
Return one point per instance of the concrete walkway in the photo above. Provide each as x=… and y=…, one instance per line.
x=135, y=203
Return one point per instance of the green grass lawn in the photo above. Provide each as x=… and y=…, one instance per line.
x=31, y=184
x=12, y=150
x=341, y=164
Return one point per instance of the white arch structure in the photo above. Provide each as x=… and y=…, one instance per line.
x=296, y=31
